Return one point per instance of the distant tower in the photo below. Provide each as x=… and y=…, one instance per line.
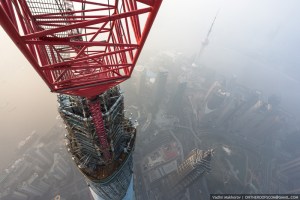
x=196, y=165
x=174, y=106
x=204, y=43
x=108, y=179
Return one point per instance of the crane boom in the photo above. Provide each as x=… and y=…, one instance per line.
x=80, y=47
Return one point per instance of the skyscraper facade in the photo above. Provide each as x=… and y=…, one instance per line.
x=107, y=179
x=195, y=165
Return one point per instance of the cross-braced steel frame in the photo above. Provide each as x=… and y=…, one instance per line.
x=80, y=47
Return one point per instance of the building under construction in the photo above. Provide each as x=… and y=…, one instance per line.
x=107, y=178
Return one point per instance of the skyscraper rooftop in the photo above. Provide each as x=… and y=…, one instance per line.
x=107, y=178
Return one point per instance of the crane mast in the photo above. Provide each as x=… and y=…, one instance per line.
x=83, y=49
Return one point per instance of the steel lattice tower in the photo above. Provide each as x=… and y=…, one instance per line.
x=83, y=49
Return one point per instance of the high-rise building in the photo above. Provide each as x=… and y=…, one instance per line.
x=214, y=98
x=36, y=182
x=107, y=179
x=40, y=155
x=59, y=169
x=160, y=84
x=290, y=174
x=18, y=196
x=196, y=164
x=29, y=189
x=174, y=107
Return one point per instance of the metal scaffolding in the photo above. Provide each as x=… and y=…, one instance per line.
x=86, y=147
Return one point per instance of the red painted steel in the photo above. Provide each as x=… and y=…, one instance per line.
x=80, y=47
x=95, y=109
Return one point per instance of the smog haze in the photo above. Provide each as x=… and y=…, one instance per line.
x=255, y=43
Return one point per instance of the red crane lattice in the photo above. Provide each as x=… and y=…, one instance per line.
x=80, y=47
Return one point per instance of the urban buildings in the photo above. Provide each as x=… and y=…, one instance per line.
x=40, y=171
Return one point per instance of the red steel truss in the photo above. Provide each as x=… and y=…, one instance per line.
x=80, y=47
x=95, y=109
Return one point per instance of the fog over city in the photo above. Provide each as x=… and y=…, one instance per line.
x=251, y=56
x=256, y=41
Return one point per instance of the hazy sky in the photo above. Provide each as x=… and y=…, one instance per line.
x=26, y=103
x=257, y=40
